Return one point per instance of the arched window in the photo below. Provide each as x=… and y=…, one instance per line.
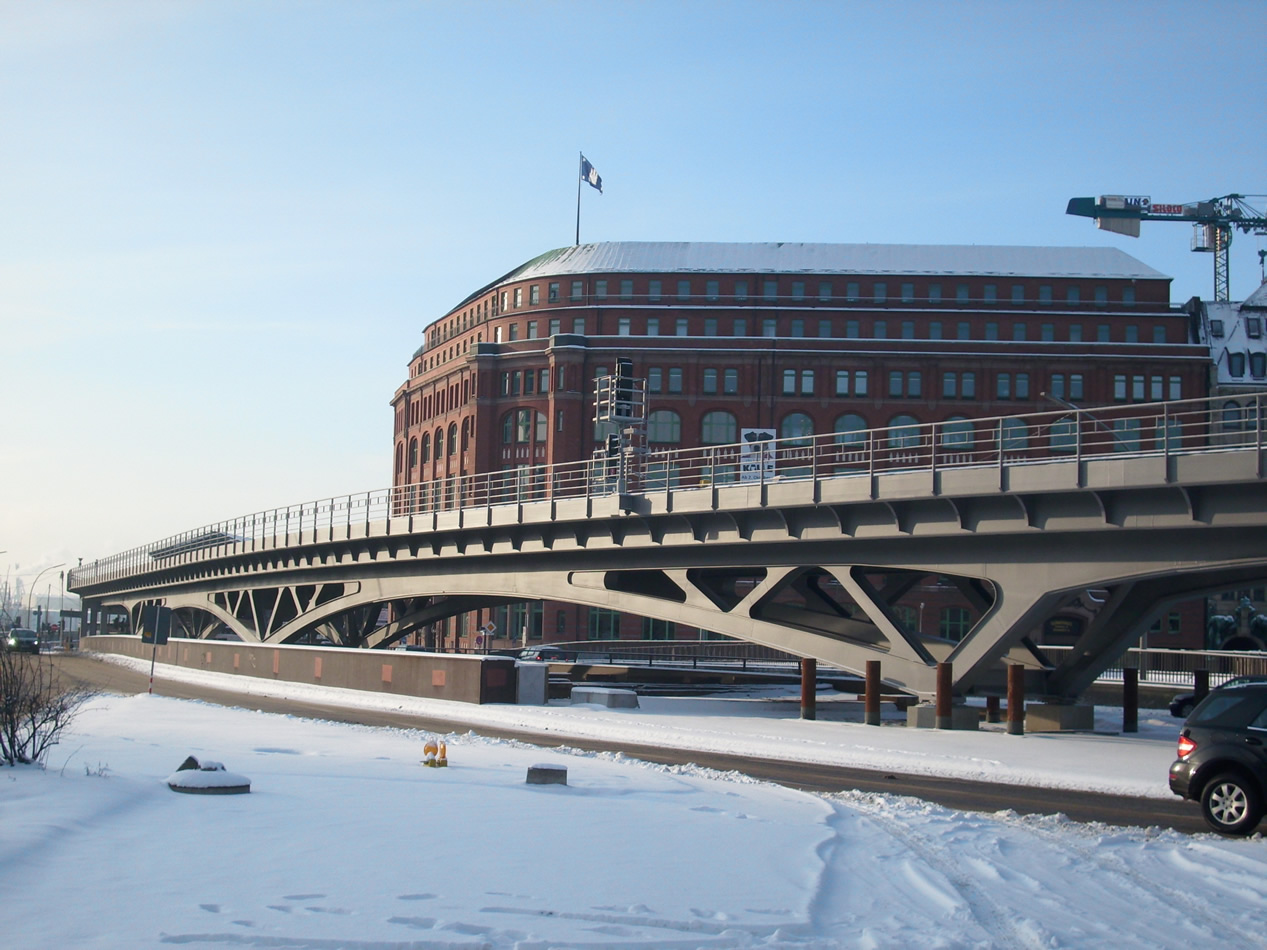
x=1063, y=435
x=850, y=429
x=400, y=457
x=664, y=426
x=508, y=428
x=1014, y=436
x=413, y=452
x=425, y=448
x=439, y=443
x=718, y=428
x=1231, y=415
x=958, y=432
x=453, y=438
x=797, y=427
x=905, y=432
x=543, y=427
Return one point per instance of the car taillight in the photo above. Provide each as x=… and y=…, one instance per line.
x=1186, y=747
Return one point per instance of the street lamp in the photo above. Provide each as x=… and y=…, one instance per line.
x=33, y=586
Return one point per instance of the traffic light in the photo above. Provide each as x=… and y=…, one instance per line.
x=613, y=446
x=624, y=407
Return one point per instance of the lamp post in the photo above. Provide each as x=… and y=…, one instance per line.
x=31, y=596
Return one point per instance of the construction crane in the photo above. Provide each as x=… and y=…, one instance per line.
x=1212, y=222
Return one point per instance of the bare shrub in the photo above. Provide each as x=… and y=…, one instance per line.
x=35, y=706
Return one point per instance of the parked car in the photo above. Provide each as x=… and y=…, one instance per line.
x=1222, y=759
x=1184, y=703
x=548, y=655
x=22, y=640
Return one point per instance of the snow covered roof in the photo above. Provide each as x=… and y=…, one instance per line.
x=800, y=258
x=1237, y=337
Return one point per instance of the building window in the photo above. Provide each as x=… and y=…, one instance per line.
x=797, y=427
x=958, y=432
x=740, y=327
x=534, y=294
x=1156, y=389
x=852, y=291
x=1119, y=388
x=653, y=326
x=1075, y=333
x=653, y=629
x=623, y=326
x=1102, y=333
x=949, y=385
x=1258, y=365
x=880, y=291
x=655, y=377
x=1253, y=327
x=1058, y=385
x=653, y=291
x=789, y=382
x=991, y=293
x=1176, y=388
x=908, y=329
x=895, y=382
x=1075, y=386
x=769, y=327
x=682, y=326
x=553, y=293
x=955, y=623
x=850, y=429
x=712, y=289
x=1137, y=388
x=718, y=428
x=710, y=382
x=1018, y=293
x=1044, y=294
x=664, y=426
x=1047, y=332
x=798, y=328
x=675, y=379
x=600, y=290
x=824, y=328
x=1159, y=335
x=770, y=289
x=968, y=386
x=1003, y=386
x=807, y=382
x=626, y=290
x=963, y=330
x=860, y=382
x=1018, y=332
x=604, y=623
x=1126, y=435
x=906, y=432
x=1072, y=296
x=824, y=290
x=1101, y=296
x=842, y=382
x=730, y=382
x=934, y=293
x=1236, y=364
x=880, y=330
x=934, y=330
x=961, y=293
x=710, y=326
x=683, y=290
x=1132, y=333
x=741, y=290
x=853, y=329
x=1216, y=329
x=908, y=292
x=554, y=326
x=798, y=290
x=1128, y=296
x=578, y=326
x=1013, y=435
x=991, y=331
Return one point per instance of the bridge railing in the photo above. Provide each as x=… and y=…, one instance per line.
x=1176, y=667
x=1153, y=429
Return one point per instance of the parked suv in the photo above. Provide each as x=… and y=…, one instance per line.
x=1184, y=703
x=1223, y=758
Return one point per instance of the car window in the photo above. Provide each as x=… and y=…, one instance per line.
x=1228, y=708
x=1260, y=721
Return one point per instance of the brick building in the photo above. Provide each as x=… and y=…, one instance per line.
x=800, y=338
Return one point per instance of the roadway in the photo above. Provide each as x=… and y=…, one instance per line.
x=953, y=793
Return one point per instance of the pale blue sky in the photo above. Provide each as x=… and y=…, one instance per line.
x=223, y=225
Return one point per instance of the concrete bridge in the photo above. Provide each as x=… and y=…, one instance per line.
x=805, y=545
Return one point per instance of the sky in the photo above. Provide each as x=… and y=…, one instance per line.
x=346, y=840
x=226, y=224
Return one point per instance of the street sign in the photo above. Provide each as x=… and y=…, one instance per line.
x=156, y=624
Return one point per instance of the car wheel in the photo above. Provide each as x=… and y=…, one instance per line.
x=1231, y=805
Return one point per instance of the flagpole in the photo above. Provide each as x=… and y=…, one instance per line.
x=579, y=160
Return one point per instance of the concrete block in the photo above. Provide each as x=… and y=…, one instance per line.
x=924, y=716
x=547, y=775
x=605, y=696
x=533, y=681
x=1059, y=717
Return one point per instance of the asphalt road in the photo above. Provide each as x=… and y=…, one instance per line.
x=953, y=793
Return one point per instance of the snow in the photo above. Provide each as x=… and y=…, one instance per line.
x=346, y=841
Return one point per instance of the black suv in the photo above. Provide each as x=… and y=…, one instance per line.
x=1223, y=757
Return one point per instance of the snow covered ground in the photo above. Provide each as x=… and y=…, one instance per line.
x=346, y=841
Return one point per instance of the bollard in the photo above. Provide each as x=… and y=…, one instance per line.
x=944, y=679
x=871, y=699
x=1016, y=700
x=1200, y=684
x=992, y=709
x=809, y=680
x=1130, y=699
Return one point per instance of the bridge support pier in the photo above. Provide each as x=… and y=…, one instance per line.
x=809, y=686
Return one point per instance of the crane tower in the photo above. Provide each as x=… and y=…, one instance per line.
x=1212, y=222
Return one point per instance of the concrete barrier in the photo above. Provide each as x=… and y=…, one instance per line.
x=457, y=677
x=605, y=696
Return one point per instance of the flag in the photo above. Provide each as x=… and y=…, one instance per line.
x=590, y=174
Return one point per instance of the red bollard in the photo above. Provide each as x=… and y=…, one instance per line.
x=992, y=709
x=809, y=681
x=1200, y=684
x=1016, y=700
x=871, y=703
x=1130, y=699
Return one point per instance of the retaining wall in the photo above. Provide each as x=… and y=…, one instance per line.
x=461, y=678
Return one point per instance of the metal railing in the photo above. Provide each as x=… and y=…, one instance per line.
x=1159, y=667
x=1124, y=430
